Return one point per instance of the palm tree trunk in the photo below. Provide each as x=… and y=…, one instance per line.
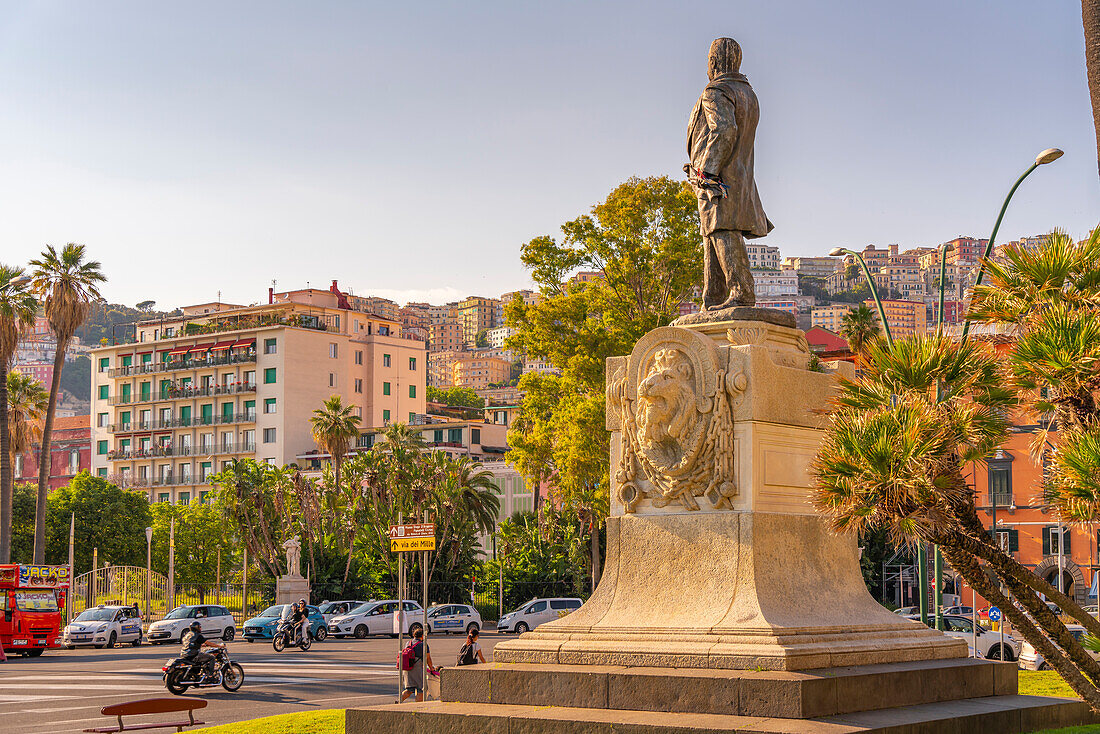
x=1090, y=22
x=975, y=576
x=44, y=463
x=6, y=479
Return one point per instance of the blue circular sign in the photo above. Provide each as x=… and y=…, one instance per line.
x=994, y=614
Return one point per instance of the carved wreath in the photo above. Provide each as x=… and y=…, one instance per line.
x=677, y=423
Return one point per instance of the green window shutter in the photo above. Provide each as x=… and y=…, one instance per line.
x=147, y=358
x=101, y=447
x=104, y=363
x=1046, y=541
x=385, y=415
x=126, y=392
x=269, y=376
x=1013, y=540
x=207, y=412
x=437, y=436
x=1068, y=538
x=146, y=389
x=385, y=388
x=101, y=472
x=185, y=415
x=227, y=412
x=412, y=391
x=412, y=418
x=103, y=392
x=124, y=417
x=127, y=361
x=250, y=406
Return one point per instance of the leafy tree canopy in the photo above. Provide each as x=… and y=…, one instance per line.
x=458, y=397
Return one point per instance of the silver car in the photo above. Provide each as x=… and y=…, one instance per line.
x=535, y=612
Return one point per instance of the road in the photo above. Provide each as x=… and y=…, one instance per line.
x=63, y=690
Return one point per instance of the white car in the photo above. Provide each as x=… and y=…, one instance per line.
x=375, y=618
x=216, y=621
x=988, y=642
x=104, y=626
x=331, y=609
x=447, y=618
x=535, y=612
x=1032, y=659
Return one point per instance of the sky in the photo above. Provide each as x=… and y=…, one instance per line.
x=205, y=149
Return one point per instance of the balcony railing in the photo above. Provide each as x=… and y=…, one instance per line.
x=161, y=451
x=186, y=363
x=182, y=392
x=248, y=416
x=1000, y=499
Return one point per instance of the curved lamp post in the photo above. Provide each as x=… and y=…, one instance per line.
x=1047, y=156
x=838, y=251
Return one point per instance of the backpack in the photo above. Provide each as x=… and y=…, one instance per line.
x=408, y=656
x=467, y=656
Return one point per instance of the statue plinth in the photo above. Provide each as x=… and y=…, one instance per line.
x=291, y=588
x=715, y=557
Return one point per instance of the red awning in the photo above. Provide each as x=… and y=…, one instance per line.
x=200, y=348
x=222, y=346
x=245, y=343
x=178, y=351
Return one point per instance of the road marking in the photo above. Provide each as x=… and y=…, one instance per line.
x=55, y=710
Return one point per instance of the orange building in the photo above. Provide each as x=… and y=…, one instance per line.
x=904, y=317
x=479, y=371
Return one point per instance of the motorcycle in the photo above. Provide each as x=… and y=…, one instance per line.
x=181, y=674
x=285, y=637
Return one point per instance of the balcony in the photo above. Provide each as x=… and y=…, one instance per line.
x=167, y=450
x=182, y=392
x=214, y=420
x=186, y=363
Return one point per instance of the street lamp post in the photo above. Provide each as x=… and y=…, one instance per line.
x=148, y=568
x=1047, y=156
x=838, y=251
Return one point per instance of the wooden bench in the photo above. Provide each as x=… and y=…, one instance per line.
x=152, y=706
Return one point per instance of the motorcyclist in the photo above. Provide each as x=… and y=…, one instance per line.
x=193, y=642
x=299, y=617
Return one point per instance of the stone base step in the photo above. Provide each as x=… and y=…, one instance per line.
x=804, y=694
x=990, y=715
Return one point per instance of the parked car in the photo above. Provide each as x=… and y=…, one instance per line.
x=988, y=643
x=448, y=618
x=961, y=610
x=330, y=609
x=535, y=612
x=906, y=611
x=216, y=622
x=103, y=626
x=375, y=618
x=1032, y=659
x=264, y=624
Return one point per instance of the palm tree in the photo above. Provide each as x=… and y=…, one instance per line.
x=27, y=404
x=860, y=327
x=334, y=427
x=68, y=285
x=17, y=311
x=892, y=458
x=1090, y=21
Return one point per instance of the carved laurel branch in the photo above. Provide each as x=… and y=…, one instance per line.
x=713, y=475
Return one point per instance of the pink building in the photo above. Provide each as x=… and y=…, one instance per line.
x=70, y=452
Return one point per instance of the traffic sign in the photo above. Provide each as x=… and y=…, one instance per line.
x=994, y=614
x=413, y=537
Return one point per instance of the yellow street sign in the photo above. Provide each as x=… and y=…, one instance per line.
x=401, y=545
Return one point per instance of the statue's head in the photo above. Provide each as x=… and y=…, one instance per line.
x=725, y=57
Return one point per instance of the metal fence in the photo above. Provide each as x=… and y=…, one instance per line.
x=230, y=596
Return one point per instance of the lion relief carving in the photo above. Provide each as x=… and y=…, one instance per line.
x=669, y=421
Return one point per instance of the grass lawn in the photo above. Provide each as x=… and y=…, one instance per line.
x=1044, y=683
x=330, y=721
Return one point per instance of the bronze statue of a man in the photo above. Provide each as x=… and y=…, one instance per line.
x=720, y=147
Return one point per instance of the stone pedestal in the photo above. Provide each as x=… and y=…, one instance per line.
x=715, y=557
x=289, y=589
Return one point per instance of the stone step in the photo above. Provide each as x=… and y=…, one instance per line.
x=784, y=694
x=990, y=715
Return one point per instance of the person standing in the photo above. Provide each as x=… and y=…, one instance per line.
x=415, y=677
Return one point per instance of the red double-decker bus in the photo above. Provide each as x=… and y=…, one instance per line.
x=31, y=600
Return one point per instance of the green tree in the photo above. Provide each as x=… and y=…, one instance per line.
x=202, y=531
x=17, y=310
x=67, y=285
x=459, y=397
x=482, y=339
x=860, y=327
x=27, y=401
x=256, y=499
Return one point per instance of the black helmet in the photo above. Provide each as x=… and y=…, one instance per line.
x=302, y=602
x=196, y=625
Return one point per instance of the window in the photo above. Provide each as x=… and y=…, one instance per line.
x=385, y=360
x=437, y=436
x=162, y=497
x=1050, y=540
x=475, y=435
x=270, y=346
x=104, y=363
x=385, y=416
x=185, y=498
x=169, y=331
x=412, y=418
x=358, y=356
x=454, y=435
x=412, y=364
x=385, y=388
x=358, y=385
x=412, y=391
x=74, y=461
x=269, y=405
x=1008, y=540
x=100, y=448
x=250, y=410
x=101, y=472
x=101, y=420
x=539, y=606
x=331, y=380
x=102, y=392
x=1000, y=483
x=269, y=376
x=269, y=435
x=333, y=351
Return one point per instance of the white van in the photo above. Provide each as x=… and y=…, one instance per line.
x=535, y=612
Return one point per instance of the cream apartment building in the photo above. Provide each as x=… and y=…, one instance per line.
x=194, y=392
